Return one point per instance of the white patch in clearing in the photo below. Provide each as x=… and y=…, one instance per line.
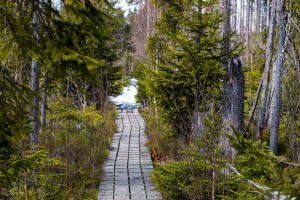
x=127, y=99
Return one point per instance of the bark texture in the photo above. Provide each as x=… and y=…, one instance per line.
x=237, y=95
x=265, y=85
x=226, y=111
x=276, y=83
x=44, y=101
x=233, y=96
x=35, y=81
x=35, y=72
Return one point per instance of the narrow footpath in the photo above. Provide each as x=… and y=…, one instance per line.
x=127, y=171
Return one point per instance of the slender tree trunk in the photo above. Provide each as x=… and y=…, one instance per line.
x=148, y=3
x=268, y=12
x=264, y=15
x=213, y=185
x=258, y=16
x=233, y=9
x=269, y=52
x=276, y=83
x=35, y=81
x=250, y=19
x=242, y=19
x=35, y=88
x=25, y=186
x=254, y=15
x=248, y=23
x=44, y=101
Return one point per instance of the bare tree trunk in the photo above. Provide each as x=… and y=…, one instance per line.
x=233, y=110
x=264, y=15
x=35, y=81
x=148, y=3
x=25, y=186
x=246, y=28
x=237, y=92
x=276, y=83
x=242, y=19
x=254, y=15
x=226, y=112
x=269, y=52
x=250, y=19
x=44, y=101
x=234, y=14
x=258, y=16
x=268, y=12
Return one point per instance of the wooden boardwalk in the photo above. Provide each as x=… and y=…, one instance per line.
x=127, y=171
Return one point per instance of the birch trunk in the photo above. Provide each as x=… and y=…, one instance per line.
x=269, y=52
x=276, y=83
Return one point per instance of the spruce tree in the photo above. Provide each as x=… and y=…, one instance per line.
x=185, y=54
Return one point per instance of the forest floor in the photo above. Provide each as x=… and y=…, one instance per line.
x=127, y=171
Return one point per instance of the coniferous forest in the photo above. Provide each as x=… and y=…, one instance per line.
x=218, y=81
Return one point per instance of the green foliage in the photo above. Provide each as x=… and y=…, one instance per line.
x=15, y=166
x=289, y=127
x=199, y=175
x=75, y=145
x=80, y=138
x=14, y=127
x=108, y=77
x=64, y=35
x=194, y=180
x=145, y=87
x=184, y=70
x=253, y=69
x=171, y=178
x=14, y=116
x=203, y=169
x=81, y=41
x=252, y=154
x=256, y=162
x=162, y=142
x=238, y=189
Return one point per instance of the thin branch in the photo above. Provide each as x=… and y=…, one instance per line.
x=254, y=105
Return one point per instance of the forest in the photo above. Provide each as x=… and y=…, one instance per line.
x=218, y=81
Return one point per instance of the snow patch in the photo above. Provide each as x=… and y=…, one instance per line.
x=127, y=98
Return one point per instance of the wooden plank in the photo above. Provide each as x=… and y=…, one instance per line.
x=126, y=174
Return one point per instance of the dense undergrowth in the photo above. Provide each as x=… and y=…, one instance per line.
x=71, y=153
x=199, y=171
x=162, y=143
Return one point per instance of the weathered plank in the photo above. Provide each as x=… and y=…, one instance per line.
x=126, y=171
